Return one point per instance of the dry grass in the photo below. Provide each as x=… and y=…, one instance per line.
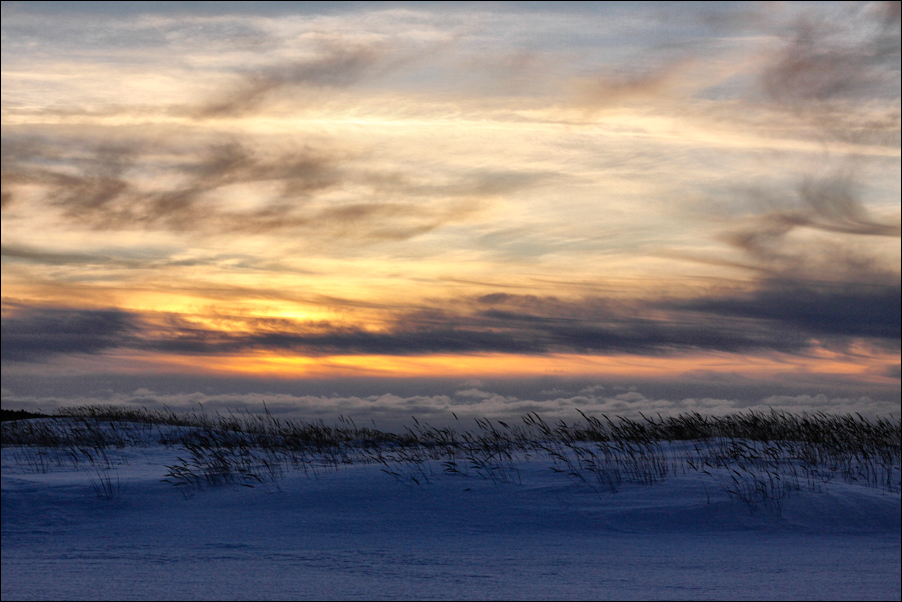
x=758, y=458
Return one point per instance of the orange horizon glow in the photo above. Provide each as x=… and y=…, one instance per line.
x=494, y=366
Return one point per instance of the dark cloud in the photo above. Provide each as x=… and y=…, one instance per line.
x=20, y=253
x=854, y=56
x=101, y=191
x=825, y=287
x=818, y=308
x=494, y=298
x=36, y=333
x=779, y=316
x=839, y=71
x=19, y=164
x=85, y=181
x=831, y=203
x=40, y=333
x=103, y=196
x=828, y=204
x=786, y=315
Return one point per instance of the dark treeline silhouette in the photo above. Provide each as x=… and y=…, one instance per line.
x=19, y=415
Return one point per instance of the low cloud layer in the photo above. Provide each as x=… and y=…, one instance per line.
x=458, y=409
x=38, y=333
x=781, y=316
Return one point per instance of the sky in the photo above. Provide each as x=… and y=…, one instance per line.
x=385, y=209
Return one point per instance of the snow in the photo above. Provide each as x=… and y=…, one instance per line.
x=356, y=532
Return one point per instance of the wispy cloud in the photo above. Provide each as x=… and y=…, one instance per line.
x=336, y=65
x=855, y=54
x=103, y=191
x=305, y=182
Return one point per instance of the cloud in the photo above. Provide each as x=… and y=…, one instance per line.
x=103, y=196
x=392, y=411
x=284, y=190
x=853, y=55
x=203, y=174
x=815, y=234
x=618, y=89
x=36, y=333
x=831, y=203
x=827, y=285
x=22, y=253
x=774, y=319
x=818, y=308
x=338, y=65
x=778, y=316
x=766, y=245
x=330, y=60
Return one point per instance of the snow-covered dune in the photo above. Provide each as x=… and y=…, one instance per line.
x=358, y=532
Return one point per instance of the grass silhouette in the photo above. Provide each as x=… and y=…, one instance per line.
x=759, y=458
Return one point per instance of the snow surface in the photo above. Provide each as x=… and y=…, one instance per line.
x=359, y=533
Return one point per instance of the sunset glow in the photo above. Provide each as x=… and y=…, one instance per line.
x=628, y=192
